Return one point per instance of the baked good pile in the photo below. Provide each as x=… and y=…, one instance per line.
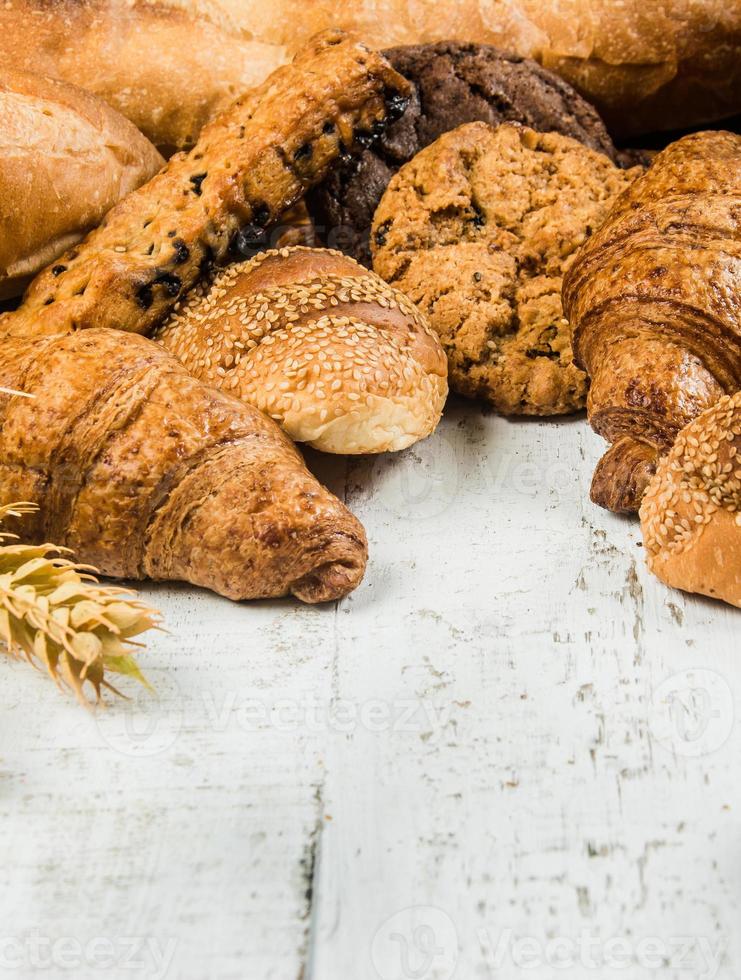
x=471, y=223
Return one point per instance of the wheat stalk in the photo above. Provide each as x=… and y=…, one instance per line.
x=55, y=614
x=13, y=392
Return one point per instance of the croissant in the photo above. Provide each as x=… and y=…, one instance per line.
x=337, y=357
x=145, y=472
x=691, y=513
x=654, y=303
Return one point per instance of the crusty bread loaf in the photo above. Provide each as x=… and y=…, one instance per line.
x=337, y=357
x=691, y=513
x=170, y=65
x=645, y=65
x=166, y=70
x=65, y=159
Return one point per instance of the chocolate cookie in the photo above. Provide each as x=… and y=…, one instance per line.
x=478, y=230
x=454, y=84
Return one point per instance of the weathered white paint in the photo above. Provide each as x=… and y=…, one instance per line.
x=510, y=732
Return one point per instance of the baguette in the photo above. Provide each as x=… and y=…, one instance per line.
x=167, y=70
x=172, y=65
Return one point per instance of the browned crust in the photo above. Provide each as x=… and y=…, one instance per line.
x=147, y=473
x=653, y=301
x=337, y=357
x=645, y=65
x=67, y=158
x=249, y=165
x=138, y=467
x=691, y=513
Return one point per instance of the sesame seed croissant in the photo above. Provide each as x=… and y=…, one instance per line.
x=337, y=357
x=654, y=300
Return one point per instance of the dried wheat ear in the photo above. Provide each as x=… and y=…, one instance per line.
x=56, y=615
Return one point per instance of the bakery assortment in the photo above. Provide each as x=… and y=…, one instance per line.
x=142, y=470
x=453, y=83
x=170, y=65
x=181, y=314
x=248, y=166
x=691, y=512
x=653, y=298
x=67, y=158
x=477, y=230
x=338, y=358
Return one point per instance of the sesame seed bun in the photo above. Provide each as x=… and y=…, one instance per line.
x=337, y=357
x=691, y=513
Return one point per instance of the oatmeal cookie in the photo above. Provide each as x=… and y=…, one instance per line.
x=453, y=83
x=478, y=230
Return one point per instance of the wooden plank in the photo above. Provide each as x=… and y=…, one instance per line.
x=569, y=776
x=171, y=837
x=510, y=729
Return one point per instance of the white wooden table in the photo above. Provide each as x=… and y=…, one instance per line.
x=512, y=753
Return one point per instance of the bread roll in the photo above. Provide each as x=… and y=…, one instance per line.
x=65, y=159
x=170, y=66
x=691, y=513
x=166, y=70
x=338, y=358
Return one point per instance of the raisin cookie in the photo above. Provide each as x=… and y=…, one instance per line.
x=478, y=230
x=453, y=83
